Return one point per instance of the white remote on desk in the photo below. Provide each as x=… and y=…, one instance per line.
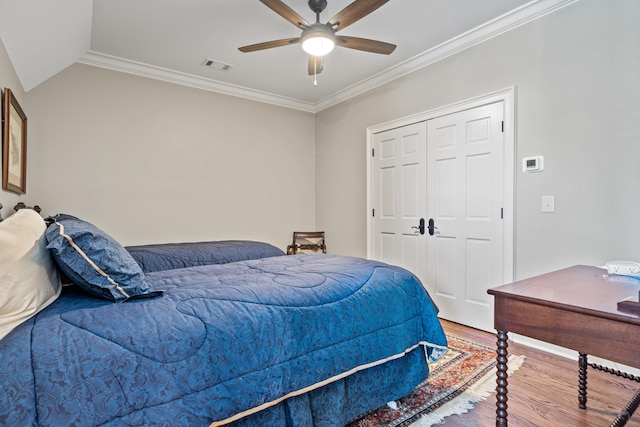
x=623, y=268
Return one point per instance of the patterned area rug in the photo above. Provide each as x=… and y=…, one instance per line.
x=462, y=377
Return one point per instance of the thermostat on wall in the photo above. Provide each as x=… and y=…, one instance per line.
x=533, y=164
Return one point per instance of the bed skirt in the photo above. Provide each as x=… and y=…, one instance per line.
x=342, y=401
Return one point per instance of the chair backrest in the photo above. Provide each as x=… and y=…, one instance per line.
x=307, y=242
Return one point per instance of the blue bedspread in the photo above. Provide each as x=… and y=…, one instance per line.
x=223, y=339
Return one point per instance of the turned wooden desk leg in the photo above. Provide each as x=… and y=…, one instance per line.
x=501, y=380
x=627, y=411
x=582, y=380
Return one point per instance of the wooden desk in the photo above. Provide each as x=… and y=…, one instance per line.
x=574, y=308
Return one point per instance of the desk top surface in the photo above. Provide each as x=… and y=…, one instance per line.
x=578, y=288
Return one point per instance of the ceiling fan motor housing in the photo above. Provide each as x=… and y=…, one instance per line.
x=318, y=30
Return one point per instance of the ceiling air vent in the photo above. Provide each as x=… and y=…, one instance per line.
x=217, y=65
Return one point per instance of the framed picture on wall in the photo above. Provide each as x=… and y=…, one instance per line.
x=14, y=145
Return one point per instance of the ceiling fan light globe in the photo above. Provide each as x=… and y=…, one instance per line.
x=318, y=45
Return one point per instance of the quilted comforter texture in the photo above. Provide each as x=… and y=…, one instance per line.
x=223, y=339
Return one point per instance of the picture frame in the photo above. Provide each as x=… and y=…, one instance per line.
x=14, y=145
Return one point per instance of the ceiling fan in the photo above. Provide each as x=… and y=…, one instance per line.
x=318, y=39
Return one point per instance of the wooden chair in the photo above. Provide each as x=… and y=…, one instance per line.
x=307, y=242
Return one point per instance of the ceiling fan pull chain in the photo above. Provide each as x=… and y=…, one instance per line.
x=315, y=72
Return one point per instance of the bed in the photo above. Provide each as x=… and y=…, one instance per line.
x=213, y=333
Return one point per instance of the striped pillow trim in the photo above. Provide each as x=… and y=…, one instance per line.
x=89, y=261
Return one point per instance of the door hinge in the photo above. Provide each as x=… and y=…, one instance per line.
x=501, y=213
x=373, y=212
x=503, y=126
x=373, y=152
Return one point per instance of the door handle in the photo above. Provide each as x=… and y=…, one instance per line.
x=431, y=227
x=420, y=226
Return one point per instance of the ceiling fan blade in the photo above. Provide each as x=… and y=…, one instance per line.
x=354, y=12
x=315, y=65
x=367, y=45
x=287, y=13
x=269, y=45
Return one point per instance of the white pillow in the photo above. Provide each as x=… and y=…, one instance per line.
x=29, y=280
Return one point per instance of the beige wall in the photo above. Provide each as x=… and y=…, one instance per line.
x=150, y=161
x=578, y=104
x=9, y=79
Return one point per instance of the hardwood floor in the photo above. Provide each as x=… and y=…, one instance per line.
x=544, y=391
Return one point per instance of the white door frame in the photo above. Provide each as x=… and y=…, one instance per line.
x=508, y=96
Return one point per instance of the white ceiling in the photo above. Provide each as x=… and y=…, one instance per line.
x=169, y=39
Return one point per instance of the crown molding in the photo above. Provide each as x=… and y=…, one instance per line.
x=114, y=63
x=529, y=12
x=526, y=13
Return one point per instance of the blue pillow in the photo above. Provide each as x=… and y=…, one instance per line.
x=94, y=260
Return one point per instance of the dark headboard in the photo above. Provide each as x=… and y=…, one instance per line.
x=21, y=205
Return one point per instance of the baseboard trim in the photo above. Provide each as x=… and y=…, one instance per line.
x=569, y=354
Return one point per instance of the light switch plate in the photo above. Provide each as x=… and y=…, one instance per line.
x=548, y=204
